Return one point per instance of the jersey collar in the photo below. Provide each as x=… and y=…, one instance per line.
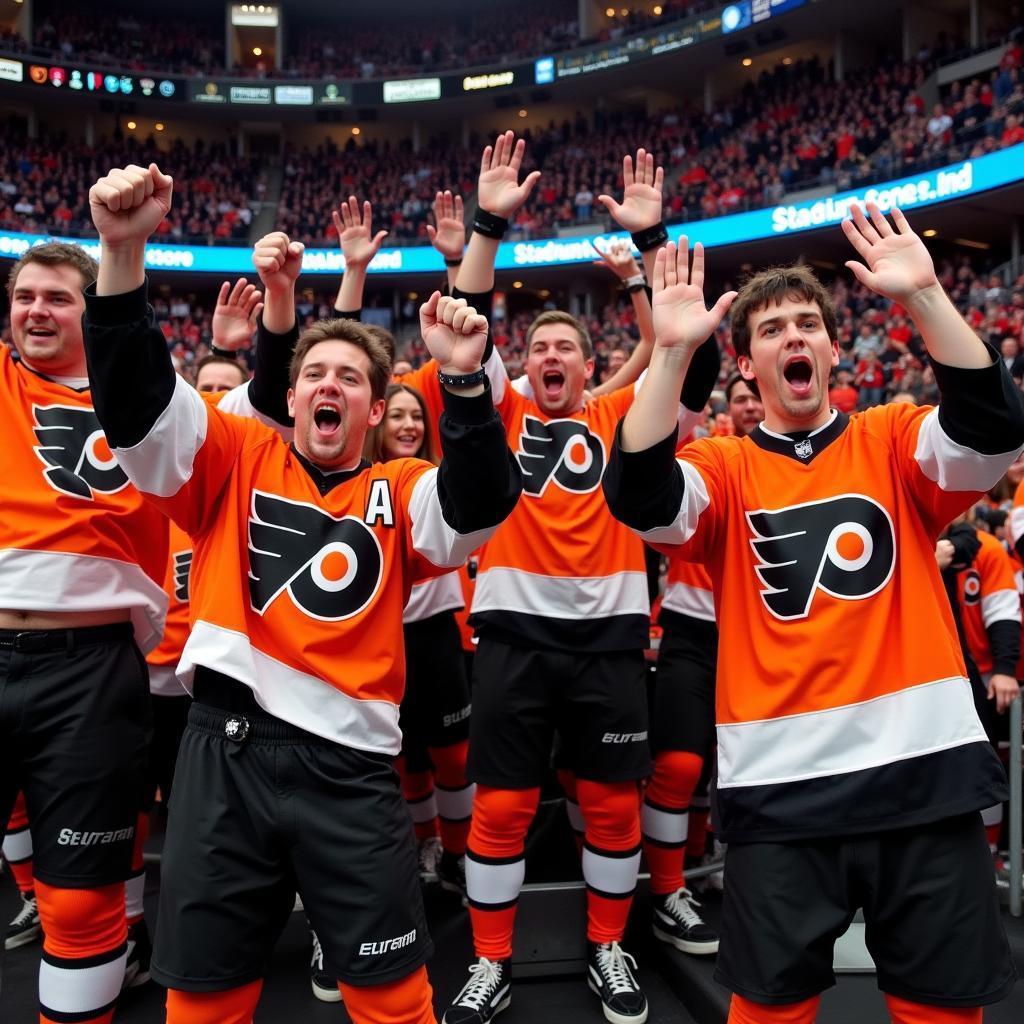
x=326, y=482
x=804, y=445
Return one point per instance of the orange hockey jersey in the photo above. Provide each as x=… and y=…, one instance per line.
x=325, y=569
x=842, y=699
x=74, y=534
x=299, y=577
x=988, y=595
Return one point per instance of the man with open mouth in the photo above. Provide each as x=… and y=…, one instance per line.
x=304, y=556
x=852, y=765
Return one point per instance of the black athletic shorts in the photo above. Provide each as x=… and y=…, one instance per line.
x=74, y=727
x=261, y=810
x=435, y=708
x=930, y=909
x=597, y=703
x=683, y=708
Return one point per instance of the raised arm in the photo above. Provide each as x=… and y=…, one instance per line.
x=682, y=325
x=618, y=258
x=641, y=210
x=478, y=481
x=449, y=236
x=978, y=429
x=173, y=448
x=899, y=267
x=235, y=315
x=358, y=245
x=499, y=195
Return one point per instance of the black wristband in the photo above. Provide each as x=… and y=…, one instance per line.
x=490, y=225
x=453, y=263
x=222, y=353
x=464, y=380
x=650, y=238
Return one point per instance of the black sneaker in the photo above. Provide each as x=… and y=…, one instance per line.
x=140, y=952
x=676, y=922
x=24, y=926
x=484, y=996
x=324, y=984
x=612, y=980
x=451, y=870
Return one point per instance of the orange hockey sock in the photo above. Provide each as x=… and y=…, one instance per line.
x=611, y=854
x=743, y=1011
x=454, y=795
x=665, y=818
x=406, y=1001
x=903, y=1011
x=84, y=952
x=232, y=1006
x=495, y=867
x=418, y=790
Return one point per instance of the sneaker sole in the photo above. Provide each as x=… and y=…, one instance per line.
x=617, y=1018
x=684, y=946
x=325, y=995
x=23, y=938
x=503, y=1005
x=135, y=980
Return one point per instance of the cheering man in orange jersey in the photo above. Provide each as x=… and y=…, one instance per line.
x=851, y=761
x=304, y=558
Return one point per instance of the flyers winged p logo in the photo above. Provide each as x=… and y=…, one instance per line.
x=331, y=568
x=182, y=574
x=75, y=452
x=844, y=546
x=561, y=450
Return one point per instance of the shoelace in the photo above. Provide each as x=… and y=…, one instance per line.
x=680, y=905
x=484, y=978
x=614, y=963
x=28, y=911
x=318, y=953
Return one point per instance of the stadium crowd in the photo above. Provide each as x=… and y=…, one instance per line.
x=792, y=129
x=44, y=185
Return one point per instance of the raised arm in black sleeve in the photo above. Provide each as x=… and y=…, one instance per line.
x=268, y=389
x=982, y=410
x=644, y=489
x=479, y=481
x=130, y=370
x=483, y=303
x=701, y=375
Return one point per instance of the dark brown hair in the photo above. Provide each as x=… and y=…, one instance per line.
x=557, y=316
x=374, y=447
x=772, y=287
x=226, y=360
x=354, y=333
x=55, y=254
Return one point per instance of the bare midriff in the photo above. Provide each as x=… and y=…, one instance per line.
x=34, y=620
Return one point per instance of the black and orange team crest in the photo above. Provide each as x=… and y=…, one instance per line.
x=844, y=546
x=561, y=450
x=331, y=568
x=74, y=450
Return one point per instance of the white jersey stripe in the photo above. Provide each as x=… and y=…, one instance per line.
x=293, y=696
x=1000, y=606
x=920, y=720
x=952, y=466
x=685, y=599
x=61, y=581
x=564, y=597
